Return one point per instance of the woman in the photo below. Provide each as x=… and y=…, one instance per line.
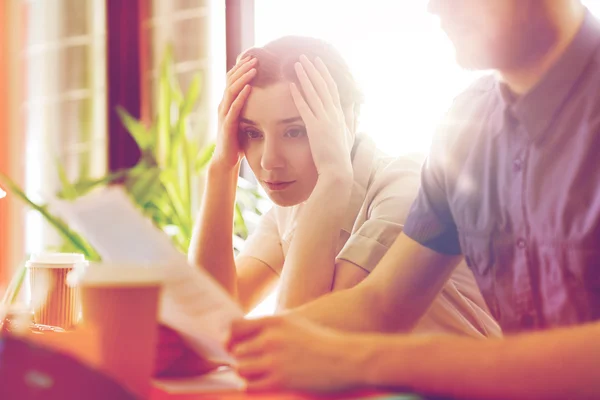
x=290, y=108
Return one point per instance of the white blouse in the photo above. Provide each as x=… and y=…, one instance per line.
x=384, y=189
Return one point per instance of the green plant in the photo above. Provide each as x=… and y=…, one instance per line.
x=162, y=182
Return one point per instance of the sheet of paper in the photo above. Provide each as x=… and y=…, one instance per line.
x=218, y=381
x=191, y=303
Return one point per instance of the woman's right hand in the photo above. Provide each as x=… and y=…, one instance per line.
x=228, y=152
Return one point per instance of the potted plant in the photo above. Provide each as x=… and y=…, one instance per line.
x=161, y=184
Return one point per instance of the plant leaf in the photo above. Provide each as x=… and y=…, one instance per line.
x=191, y=97
x=15, y=285
x=169, y=181
x=162, y=150
x=83, y=187
x=136, y=129
x=68, y=191
x=204, y=157
x=61, y=227
x=240, y=225
x=184, y=166
x=176, y=92
x=144, y=186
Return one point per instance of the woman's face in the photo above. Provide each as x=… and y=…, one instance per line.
x=276, y=146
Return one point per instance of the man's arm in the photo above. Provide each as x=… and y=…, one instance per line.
x=393, y=297
x=560, y=364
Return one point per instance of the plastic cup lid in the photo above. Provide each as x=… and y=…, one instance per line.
x=55, y=260
x=123, y=275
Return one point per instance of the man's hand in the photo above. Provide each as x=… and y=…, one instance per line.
x=289, y=352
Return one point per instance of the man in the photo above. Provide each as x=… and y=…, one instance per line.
x=512, y=184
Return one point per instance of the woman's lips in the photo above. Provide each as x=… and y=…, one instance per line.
x=280, y=185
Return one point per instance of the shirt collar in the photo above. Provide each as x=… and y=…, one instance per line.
x=536, y=109
x=364, y=153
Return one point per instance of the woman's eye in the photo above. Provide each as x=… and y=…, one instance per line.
x=295, y=132
x=253, y=134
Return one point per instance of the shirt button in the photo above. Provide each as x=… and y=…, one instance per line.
x=517, y=164
x=521, y=243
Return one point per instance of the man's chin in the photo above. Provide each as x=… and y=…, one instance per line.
x=472, y=62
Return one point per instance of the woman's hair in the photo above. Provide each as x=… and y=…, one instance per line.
x=277, y=58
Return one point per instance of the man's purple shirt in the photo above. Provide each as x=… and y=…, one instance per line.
x=514, y=185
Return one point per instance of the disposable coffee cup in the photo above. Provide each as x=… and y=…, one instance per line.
x=58, y=304
x=120, y=304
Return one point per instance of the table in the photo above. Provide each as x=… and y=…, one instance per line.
x=236, y=395
x=226, y=385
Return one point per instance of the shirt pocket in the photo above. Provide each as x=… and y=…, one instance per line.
x=478, y=252
x=570, y=283
x=582, y=267
x=581, y=274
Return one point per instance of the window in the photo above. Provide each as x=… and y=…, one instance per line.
x=402, y=60
x=195, y=29
x=63, y=48
x=64, y=106
x=593, y=6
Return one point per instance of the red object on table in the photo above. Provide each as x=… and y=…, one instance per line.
x=33, y=372
x=174, y=358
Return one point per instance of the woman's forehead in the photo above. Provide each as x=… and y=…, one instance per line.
x=270, y=103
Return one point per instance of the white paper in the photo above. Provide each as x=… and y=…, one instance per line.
x=217, y=381
x=191, y=303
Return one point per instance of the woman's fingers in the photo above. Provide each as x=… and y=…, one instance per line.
x=331, y=85
x=238, y=77
x=241, y=70
x=318, y=82
x=310, y=94
x=303, y=108
x=238, y=104
x=233, y=91
x=237, y=66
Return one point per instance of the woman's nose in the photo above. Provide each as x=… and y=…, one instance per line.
x=272, y=156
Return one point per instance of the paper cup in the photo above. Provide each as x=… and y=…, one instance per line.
x=59, y=304
x=120, y=303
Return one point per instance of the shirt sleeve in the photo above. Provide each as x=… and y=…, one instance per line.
x=430, y=219
x=394, y=190
x=264, y=243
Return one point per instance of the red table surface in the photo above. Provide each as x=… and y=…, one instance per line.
x=158, y=394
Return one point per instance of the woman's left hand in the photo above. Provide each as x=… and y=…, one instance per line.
x=322, y=113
